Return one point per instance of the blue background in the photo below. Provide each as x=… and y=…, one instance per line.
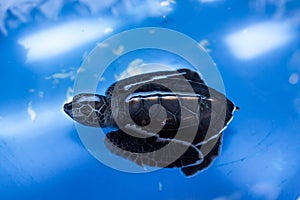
x=41, y=155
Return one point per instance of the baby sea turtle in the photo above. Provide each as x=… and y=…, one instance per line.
x=148, y=111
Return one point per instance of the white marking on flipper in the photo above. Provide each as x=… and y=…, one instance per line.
x=217, y=135
x=143, y=132
x=127, y=87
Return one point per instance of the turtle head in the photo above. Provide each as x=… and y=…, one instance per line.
x=89, y=109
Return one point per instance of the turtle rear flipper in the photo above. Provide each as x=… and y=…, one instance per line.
x=193, y=169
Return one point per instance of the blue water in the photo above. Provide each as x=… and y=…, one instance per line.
x=254, y=43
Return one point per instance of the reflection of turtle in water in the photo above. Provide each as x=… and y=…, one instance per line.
x=197, y=111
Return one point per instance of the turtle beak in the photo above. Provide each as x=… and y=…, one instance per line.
x=68, y=109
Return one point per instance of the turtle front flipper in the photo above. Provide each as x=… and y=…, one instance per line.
x=191, y=75
x=152, y=151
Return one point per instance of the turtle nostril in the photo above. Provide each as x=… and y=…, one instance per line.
x=68, y=107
